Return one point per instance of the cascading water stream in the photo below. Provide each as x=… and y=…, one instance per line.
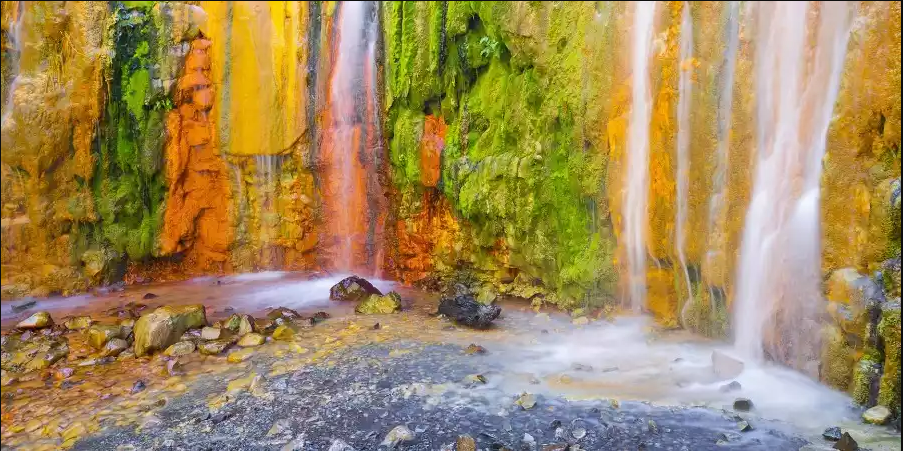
x=778, y=291
x=352, y=144
x=636, y=199
x=685, y=91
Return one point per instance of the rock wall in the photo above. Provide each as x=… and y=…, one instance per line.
x=187, y=138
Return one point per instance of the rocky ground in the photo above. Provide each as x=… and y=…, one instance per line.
x=347, y=379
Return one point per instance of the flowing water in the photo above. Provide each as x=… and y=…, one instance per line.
x=685, y=92
x=717, y=211
x=636, y=214
x=779, y=274
x=352, y=142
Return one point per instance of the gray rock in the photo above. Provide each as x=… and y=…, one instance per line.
x=340, y=445
x=832, y=434
x=879, y=415
x=467, y=311
x=743, y=404
x=398, y=435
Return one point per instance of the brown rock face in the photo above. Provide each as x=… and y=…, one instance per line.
x=431, y=146
x=197, y=214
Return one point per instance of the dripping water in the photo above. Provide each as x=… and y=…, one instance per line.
x=779, y=279
x=638, y=155
x=15, y=41
x=685, y=91
x=725, y=101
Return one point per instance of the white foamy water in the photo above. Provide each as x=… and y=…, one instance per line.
x=685, y=92
x=637, y=192
x=780, y=258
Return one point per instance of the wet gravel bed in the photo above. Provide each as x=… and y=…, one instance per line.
x=359, y=394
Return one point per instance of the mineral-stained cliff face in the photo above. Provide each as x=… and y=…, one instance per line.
x=483, y=142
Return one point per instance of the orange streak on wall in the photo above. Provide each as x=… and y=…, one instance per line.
x=197, y=211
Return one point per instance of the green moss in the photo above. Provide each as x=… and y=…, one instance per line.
x=129, y=188
x=517, y=164
x=889, y=331
x=866, y=372
x=377, y=305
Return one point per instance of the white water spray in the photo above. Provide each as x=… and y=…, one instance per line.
x=778, y=288
x=685, y=92
x=635, y=204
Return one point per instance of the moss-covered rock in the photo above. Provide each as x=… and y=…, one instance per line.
x=838, y=358
x=157, y=330
x=180, y=348
x=99, y=335
x=35, y=354
x=379, y=304
x=889, y=331
x=78, y=322
x=37, y=320
x=353, y=289
x=866, y=377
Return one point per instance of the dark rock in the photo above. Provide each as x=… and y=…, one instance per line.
x=581, y=367
x=353, y=289
x=139, y=386
x=475, y=349
x=220, y=416
x=377, y=326
x=149, y=296
x=320, y=316
x=832, y=434
x=744, y=426
x=743, y=404
x=732, y=386
x=19, y=308
x=283, y=313
x=846, y=443
x=555, y=424
x=467, y=311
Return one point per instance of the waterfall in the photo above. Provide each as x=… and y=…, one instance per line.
x=685, y=91
x=636, y=199
x=15, y=39
x=779, y=277
x=725, y=104
x=352, y=141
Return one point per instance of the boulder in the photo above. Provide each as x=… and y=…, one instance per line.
x=99, y=335
x=879, y=415
x=251, y=339
x=114, y=347
x=353, y=289
x=180, y=348
x=78, y=322
x=211, y=333
x=214, y=347
x=846, y=443
x=239, y=324
x=467, y=311
x=725, y=366
x=743, y=405
x=378, y=304
x=162, y=327
x=37, y=320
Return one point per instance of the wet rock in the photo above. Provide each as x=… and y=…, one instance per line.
x=398, y=435
x=879, y=415
x=174, y=368
x=78, y=322
x=353, y=289
x=211, y=333
x=158, y=329
x=377, y=326
x=19, y=308
x=379, y=305
x=743, y=405
x=581, y=367
x=846, y=443
x=280, y=427
x=526, y=401
x=320, y=317
x=99, y=335
x=474, y=379
x=339, y=445
x=251, y=339
x=283, y=313
x=180, y=348
x=732, y=386
x=725, y=366
x=239, y=324
x=285, y=332
x=214, y=347
x=467, y=311
x=555, y=424
x=465, y=443
x=149, y=296
x=264, y=325
x=528, y=443
x=36, y=354
x=744, y=426
x=475, y=349
x=578, y=433
x=832, y=434
x=240, y=356
x=63, y=373
x=139, y=386
x=37, y=320
x=114, y=347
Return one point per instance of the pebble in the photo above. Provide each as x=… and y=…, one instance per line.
x=139, y=386
x=398, y=434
